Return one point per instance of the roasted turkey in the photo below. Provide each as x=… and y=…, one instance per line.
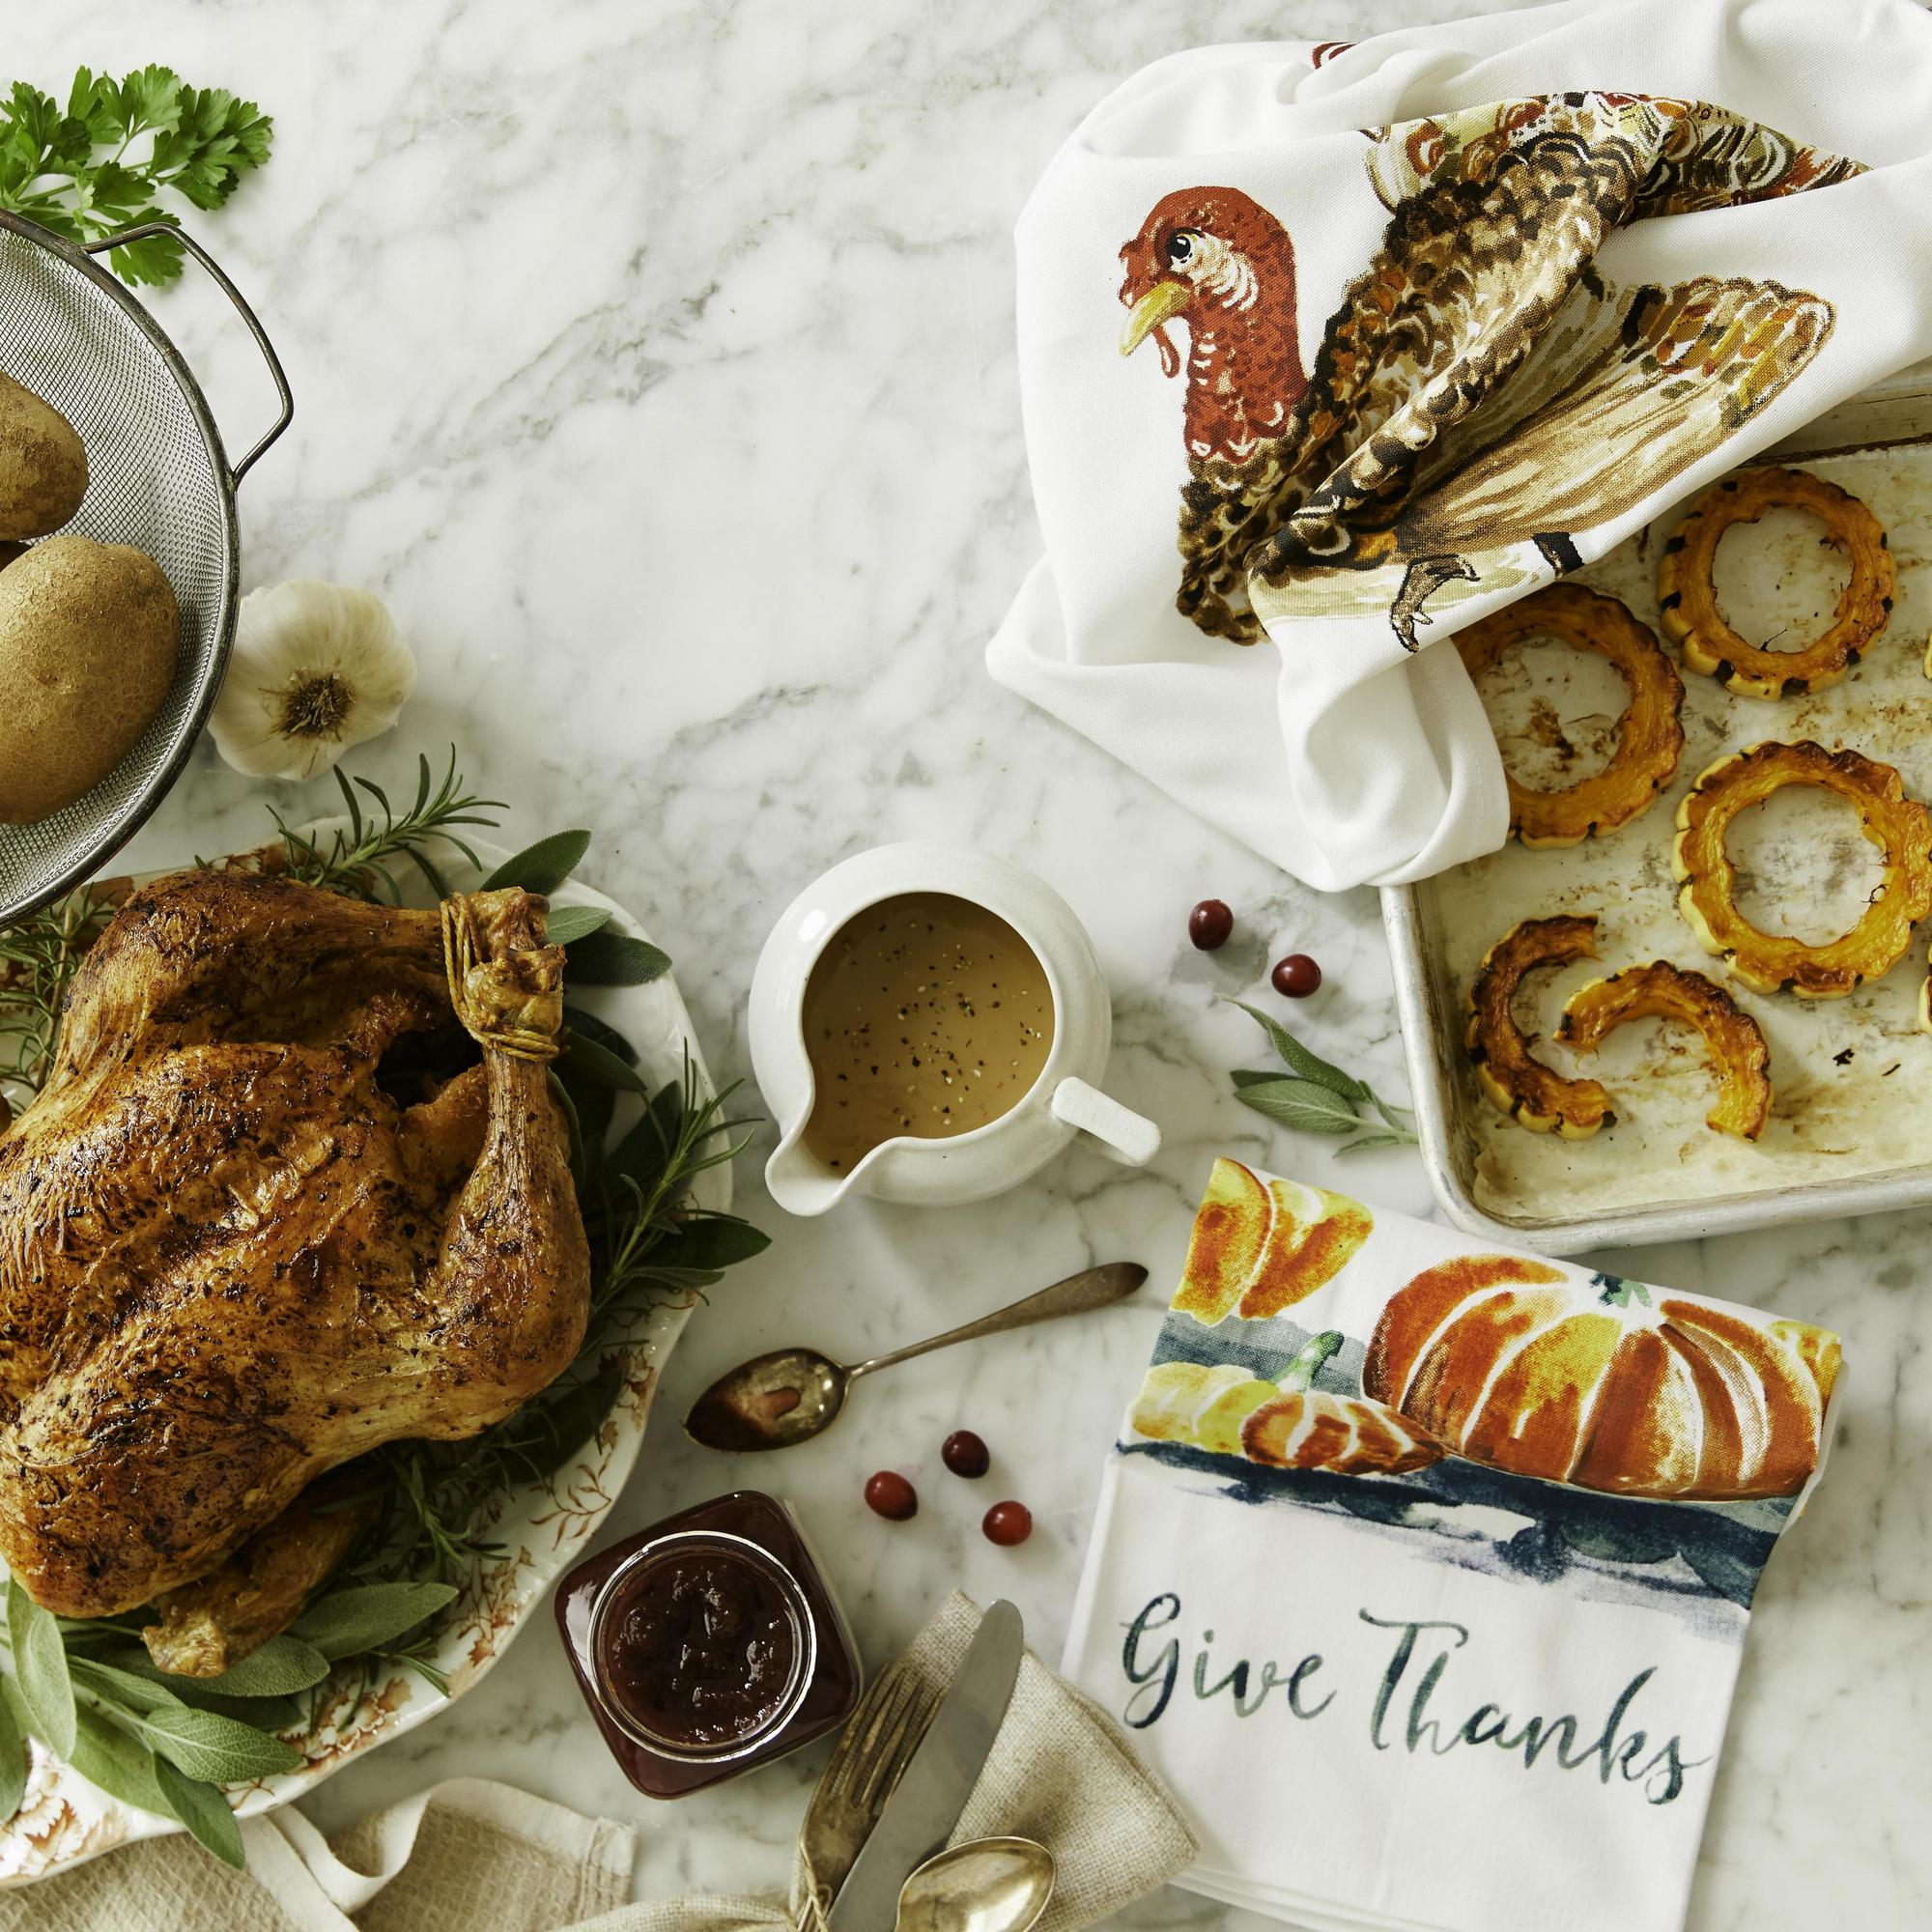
x=295, y=1187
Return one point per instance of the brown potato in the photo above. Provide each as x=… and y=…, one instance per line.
x=43, y=466
x=88, y=640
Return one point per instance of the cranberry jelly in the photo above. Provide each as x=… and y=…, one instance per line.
x=708, y=1644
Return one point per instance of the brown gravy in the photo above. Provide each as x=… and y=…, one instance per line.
x=927, y=1015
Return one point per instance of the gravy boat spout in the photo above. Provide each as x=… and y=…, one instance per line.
x=801, y=1184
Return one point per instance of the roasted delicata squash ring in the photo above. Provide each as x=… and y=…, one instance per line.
x=1662, y=991
x=1650, y=737
x=1769, y=962
x=1688, y=596
x=1529, y=1092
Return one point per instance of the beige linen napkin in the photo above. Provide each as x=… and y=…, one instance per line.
x=470, y=1854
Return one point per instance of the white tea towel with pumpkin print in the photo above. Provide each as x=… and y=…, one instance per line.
x=1422, y=1571
x=1412, y=326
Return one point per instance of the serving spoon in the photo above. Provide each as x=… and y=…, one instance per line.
x=791, y=1394
x=987, y=1884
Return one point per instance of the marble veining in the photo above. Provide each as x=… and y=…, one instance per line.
x=655, y=363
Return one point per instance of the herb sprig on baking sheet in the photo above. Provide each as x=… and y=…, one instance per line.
x=107, y=160
x=85, y=1687
x=1315, y=1097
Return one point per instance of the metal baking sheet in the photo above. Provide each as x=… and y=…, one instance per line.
x=1851, y=1125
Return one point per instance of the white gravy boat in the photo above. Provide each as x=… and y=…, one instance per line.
x=1064, y=1099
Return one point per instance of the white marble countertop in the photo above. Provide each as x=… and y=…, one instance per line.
x=655, y=363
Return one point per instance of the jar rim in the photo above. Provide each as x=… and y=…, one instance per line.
x=798, y=1612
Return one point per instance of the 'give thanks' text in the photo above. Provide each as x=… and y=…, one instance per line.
x=1413, y=1706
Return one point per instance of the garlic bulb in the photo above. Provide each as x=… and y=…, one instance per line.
x=316, y=667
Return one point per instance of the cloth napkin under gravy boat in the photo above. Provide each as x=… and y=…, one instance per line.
x=1412, y=326
x=1422, y=1571
x=472, y=1855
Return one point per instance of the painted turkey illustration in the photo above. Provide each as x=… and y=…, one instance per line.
x=1482, y=386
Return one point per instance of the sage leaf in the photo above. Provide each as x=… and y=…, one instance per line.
x=601, y=1031
x=711, y=1242
x=40, y=1663
x=595, y=1063
x=1301, y=1104
x=266, y=1714
x=1253, y=1076
x=136, y=1690
x=589, y=1107
x=120, y=1764
x=12, y=1762
x=614, y=960
x=1309, y=1066
x=221, y=1750
x=544, y=866
x=1368, y=1141
x=276, y=1668
x=1401, y=1122
x=347, y=1621
x=567, y=925
x=204, y=1810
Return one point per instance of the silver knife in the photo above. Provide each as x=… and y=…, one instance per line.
x=933, y=1789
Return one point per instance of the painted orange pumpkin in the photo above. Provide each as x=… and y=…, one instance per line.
x=1604, y=1384
x=1319, y=1429
x=1259, y=1245
x=1284, y=1425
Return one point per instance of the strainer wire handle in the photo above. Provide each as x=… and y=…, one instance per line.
x=248, y=315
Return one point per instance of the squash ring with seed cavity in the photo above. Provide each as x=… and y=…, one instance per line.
x=1650, y=737
x=1664, y=992
x=1775, y=962
x=1688, y=595
x=1532, y=1095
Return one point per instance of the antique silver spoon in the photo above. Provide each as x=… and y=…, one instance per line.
x=987, y=1884
x=788, y=1396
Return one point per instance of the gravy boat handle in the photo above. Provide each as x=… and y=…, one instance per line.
x=1125, y=1135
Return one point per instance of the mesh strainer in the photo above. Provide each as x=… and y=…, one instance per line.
x=157, y=478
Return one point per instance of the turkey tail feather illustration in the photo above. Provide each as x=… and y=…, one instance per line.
x=1481, y=388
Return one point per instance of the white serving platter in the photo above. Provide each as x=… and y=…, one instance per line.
x=62, y=1820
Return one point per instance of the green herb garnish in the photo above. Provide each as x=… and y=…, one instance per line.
x=98, y=166
x=1317, y=1097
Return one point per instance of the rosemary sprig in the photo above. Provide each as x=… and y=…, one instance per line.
x=1315, y=1096
x=356, y=860
x=39, y=956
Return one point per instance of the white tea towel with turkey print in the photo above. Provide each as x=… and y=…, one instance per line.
x=1422, y=1571
x=1412, y=326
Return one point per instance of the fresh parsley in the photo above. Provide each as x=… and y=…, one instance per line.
x=104, y=160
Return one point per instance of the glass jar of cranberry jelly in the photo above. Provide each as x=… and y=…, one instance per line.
x=708, y=1644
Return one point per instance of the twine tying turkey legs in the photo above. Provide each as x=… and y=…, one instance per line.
x=460, y=954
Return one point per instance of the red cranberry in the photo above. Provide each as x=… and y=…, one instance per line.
x=1209, y=924
x=965, y=1454
x=1007, y=1524
x=888, y=1494
x=1298, y=976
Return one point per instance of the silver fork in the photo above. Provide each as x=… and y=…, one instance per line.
x=858, y=1778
